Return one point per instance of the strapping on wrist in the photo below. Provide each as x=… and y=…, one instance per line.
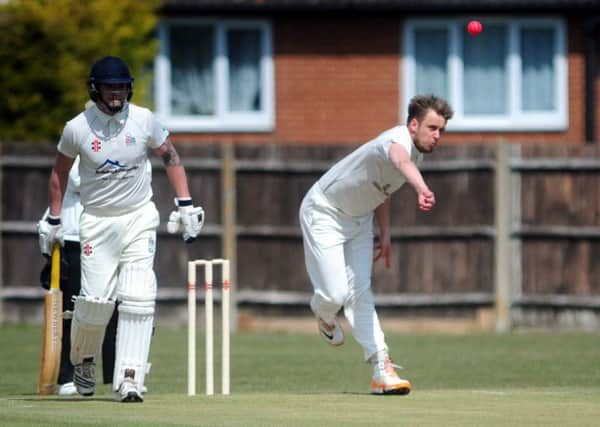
x=183, y=201
x=53, y=220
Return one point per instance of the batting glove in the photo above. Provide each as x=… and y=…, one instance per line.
x=49, y=232
x=187, y=219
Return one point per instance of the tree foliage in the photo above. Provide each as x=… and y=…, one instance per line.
x=47, y=48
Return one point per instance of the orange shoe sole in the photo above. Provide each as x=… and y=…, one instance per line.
x=399, y=389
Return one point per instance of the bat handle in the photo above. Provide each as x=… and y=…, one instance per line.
x=55, y=272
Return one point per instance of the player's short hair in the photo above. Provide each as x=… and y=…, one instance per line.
x=421, y=104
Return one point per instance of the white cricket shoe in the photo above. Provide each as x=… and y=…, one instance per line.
x=67, y=389
x=84, y=377
x=128, y=392
x=385, y=379
x=332, y=333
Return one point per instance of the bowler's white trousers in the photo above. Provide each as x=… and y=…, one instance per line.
x=338, y=251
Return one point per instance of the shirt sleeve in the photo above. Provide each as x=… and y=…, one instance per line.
x=399, y=136
x=158, y=133
x=405, y=141
x=67, y=144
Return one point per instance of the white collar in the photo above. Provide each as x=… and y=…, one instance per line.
x=119, y=117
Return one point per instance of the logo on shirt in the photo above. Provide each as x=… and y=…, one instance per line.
x=87, y=249
x=96, y=145
x=129, y=139
x=113, y=169
x=385, y=188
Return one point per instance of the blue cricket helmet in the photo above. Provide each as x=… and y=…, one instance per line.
x=109, y=70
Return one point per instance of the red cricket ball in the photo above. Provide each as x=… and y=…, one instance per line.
x=474, y=28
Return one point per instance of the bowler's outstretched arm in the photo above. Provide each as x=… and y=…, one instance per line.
x=406, y=166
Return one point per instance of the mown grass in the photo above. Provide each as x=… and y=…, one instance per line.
x=284, y=379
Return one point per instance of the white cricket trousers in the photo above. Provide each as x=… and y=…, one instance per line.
x=109, y=243
x=338, y=251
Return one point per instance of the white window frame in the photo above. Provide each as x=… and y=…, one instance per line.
x=223, y=120
x=516, y=119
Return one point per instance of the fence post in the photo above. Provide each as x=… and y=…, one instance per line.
x=502, y=255
x=1, y=240
x=516, y=245
x=228, y=212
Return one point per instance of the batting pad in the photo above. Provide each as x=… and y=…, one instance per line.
x=137, y=292
x=90, y=317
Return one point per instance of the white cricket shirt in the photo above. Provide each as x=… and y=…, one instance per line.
x=113, y=152
x=362, y=180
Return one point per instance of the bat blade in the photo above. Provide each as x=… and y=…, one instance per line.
x=52, y=332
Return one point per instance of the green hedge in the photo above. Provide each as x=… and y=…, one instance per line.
x=47, y=49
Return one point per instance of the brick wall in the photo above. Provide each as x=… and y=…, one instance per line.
x=341, y=83
x=338, y=81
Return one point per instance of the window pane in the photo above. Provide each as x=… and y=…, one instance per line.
x=192, y=77
x=431, y=53
x=244, y=51
x=485, y=83
x=537, y=48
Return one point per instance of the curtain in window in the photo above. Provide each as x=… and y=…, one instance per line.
x=537, y=90
x=244, y=70
x=485, y=86
x=431, y=70
x=192, y=77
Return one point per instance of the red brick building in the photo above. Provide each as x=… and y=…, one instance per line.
x=327, y=71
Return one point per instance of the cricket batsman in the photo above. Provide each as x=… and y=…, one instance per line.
x=336, y=217
x=118, y=224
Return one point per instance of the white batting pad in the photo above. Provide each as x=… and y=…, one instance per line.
x=136, y=292
x=90, y=317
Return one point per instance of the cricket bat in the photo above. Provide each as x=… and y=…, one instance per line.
x=52, y=333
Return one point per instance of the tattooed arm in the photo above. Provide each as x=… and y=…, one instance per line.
x=174, y=168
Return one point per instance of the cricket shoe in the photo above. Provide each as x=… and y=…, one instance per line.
x=67, y=389
x=332, y=333
x=385, y=379
x=84, y=377
x=128, y=390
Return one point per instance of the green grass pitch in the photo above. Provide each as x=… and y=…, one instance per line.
x=279, y=379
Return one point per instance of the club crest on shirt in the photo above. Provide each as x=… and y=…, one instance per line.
x=129, y=139
x=87, y=249
x=96, y=145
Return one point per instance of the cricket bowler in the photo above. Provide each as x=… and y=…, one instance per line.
x=336, y=217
